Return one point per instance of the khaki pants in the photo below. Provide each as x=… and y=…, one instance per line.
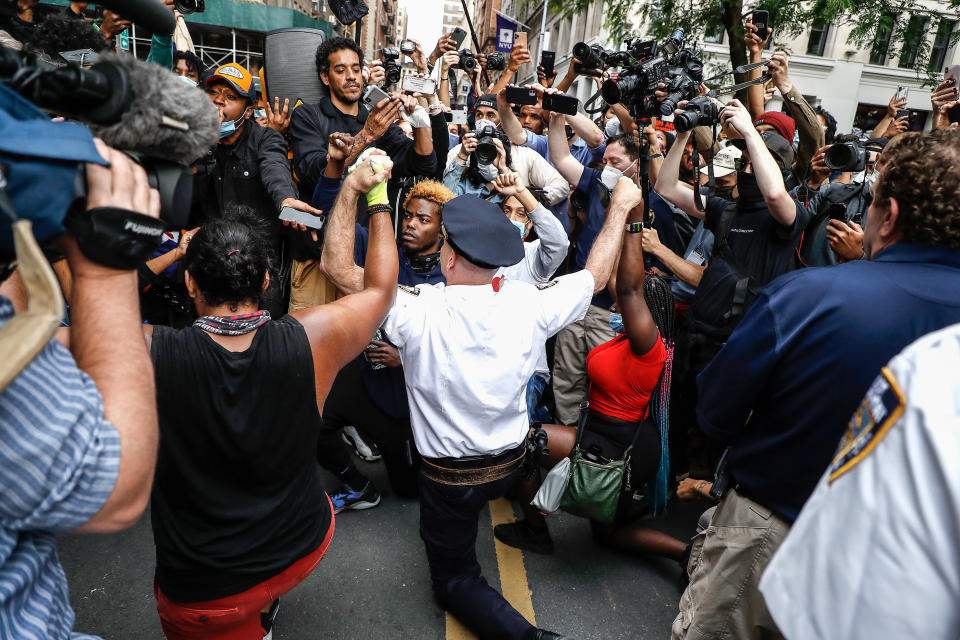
x=574, y=342
x=722, y=601
x=309, y=287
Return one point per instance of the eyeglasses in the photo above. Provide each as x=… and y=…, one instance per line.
x=740, y=164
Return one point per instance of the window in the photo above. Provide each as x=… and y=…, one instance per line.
x=941, y=42
x=714, y=33
x=912, y=38
x=881, y=42
x=818, y=37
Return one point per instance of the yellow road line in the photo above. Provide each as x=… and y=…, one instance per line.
x=513, y=575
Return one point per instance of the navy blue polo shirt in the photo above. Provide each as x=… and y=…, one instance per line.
x=803, y=357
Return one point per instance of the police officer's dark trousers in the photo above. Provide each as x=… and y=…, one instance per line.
x=448, y=526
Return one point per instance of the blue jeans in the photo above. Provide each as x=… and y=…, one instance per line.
x=535, y=388
x=448, y=527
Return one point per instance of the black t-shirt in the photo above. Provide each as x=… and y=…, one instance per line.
x=237, y=498
x=762, y=247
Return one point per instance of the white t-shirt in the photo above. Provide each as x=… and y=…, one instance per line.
x=468, y=352
x=875, y=552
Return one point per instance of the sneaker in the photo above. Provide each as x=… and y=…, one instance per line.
x=365, y=450
x=346, y=498
x=524, y=536
x=266, y=619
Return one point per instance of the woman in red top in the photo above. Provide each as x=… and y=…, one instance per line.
x=623, y=375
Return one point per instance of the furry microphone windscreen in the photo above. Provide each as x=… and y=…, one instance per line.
x=167, y=118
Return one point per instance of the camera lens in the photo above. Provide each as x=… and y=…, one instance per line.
x=845, y=157
x=468, y=64
x=393, y=74
x=581, y=51
x=486, y=151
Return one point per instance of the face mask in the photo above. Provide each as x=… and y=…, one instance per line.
x=481, y=123
x=259, y=113
x=227, y=128
x=609, y=176
x=612, y=128
x=188, y=80
x=522, y=226
x=616, y=322
x=488, y=172
x=724, y=192
x=748, y=187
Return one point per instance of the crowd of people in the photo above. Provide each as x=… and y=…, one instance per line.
x=480, y=304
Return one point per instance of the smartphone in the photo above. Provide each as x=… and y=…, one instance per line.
x=953, y=113
x=761, y=20
x=408, y=46
x=521, y=96
x=902, y=92
x=456, y=116
x=426, y=86
x=547, y=59
x=520, y=37
x=372, y=95
x=458, y=36
x=302, y=217
x=560, y=103
x=901, y=113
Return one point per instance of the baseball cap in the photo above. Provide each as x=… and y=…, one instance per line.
x=486, y=100
x=777, y=145
x=236, y=76
x=784, y=124
x=724, y=162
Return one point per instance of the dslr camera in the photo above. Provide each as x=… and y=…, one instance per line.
x=486, y=151
x=592, y=58
x=846, y=156
x=190, y=6
x=681, y=70
x=496, y=61
x=467, y=62
x=390, y=65
x=699, y=112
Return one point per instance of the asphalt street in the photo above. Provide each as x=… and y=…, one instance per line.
x=373, y=582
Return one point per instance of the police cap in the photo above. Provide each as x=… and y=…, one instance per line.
x=478, y=230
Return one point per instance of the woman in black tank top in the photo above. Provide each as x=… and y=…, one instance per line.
x=239, y=515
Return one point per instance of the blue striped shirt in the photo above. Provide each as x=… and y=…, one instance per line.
x=59, y=459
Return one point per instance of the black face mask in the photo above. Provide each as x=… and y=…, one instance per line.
x=423, y=264
x=748, y=187
x=724, y=192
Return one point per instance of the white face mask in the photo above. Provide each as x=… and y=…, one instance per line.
x=609, y=176
x=488, y=172
x=612, y=127
x=481, y=123
x=863, y=176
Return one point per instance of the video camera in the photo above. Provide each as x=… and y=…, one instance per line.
x=681, y=70
x=467, y=62
x=496, y=61
x=390, y=65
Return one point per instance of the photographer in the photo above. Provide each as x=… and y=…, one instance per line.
x=467, y=174
x=339, y=65
x=78, y=428
x=782, y=390
x=756, y=236
x=838, y=210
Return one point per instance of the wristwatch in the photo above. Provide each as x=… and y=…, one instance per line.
x=634, y=227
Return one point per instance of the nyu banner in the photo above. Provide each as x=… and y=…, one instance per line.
x=505, y=30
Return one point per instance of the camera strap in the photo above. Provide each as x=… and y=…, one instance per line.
x=28, y=332
x=115, y=238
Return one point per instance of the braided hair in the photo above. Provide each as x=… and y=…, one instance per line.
x=229, y=257
x=659, y=298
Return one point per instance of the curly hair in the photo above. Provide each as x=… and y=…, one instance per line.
x=229, y=257
x=59, y=33
x=922, y=173
x=831, y=123
x=429, y=190
x=332, y=46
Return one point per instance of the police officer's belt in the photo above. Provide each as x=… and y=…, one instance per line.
x=473, y=470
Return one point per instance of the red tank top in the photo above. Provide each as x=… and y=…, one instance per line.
x=620, y=381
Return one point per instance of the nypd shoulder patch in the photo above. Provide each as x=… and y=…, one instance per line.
x=877, y=412
x=408, y=289
x=545, y=285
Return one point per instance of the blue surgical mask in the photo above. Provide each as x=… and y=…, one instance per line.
x=228, y=128
x=259, y=113
x=522, y=226
x=616, y=322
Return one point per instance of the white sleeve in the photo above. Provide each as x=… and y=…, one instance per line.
x=407, y=315
x=563, y=300
x=542, y=175
x=453, y=153
x=553, y=243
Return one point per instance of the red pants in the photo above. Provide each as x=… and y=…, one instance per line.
x=235, y=617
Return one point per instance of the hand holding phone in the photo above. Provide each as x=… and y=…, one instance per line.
x=560, y=103
x=521, y=95
x=547, y=58
x=417, y=84
x=519, y=38
x=761, y=20
x=458, y=36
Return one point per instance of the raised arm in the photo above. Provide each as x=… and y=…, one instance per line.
x=587, y=129
x=560, y=155
x=668, y=182
x=518, y=55
x=603, y=253
x=755, y=43
x=782, y=207
x=340, y=330
x=638, y=324
x=553, y=244
x=336, y=261
x=809, y=132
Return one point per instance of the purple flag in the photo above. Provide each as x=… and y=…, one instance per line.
x=505, y=30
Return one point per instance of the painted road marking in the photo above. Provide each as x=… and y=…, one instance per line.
x=513, y=575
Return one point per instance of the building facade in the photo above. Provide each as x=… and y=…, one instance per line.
x=379, y=27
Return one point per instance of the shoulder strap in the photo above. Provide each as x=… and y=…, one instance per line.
x=745, y=280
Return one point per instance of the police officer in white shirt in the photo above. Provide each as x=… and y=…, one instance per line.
x=468, y=348
x=875, y=551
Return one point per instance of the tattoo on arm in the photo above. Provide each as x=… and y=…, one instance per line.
x=360, y=142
